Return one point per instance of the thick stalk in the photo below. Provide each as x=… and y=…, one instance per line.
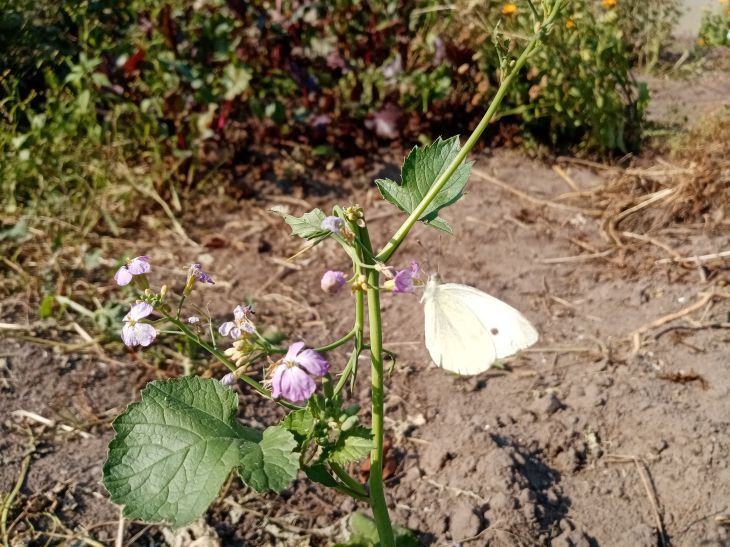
x=395, y=241
x=377, y=493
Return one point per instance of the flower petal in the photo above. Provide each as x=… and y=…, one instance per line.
x=239, y=313
x=128, y=336
x=296, y=385
x=294, y=349
x=225, y=328
x=145, y=333
x=313, y=362
x=139, y=265
x=140, y=310
x=276, y=381
x=123, y=276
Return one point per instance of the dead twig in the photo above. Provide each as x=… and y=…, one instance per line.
x=694, y=259
x=529, y=198
x=643, y=470
x=705, y=298
x=9, y=500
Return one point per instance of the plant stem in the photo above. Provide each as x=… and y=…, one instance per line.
x=350, y=482
x=377, y=493
x=395, y=241
x=261, y=390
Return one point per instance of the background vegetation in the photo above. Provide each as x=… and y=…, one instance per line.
x=107, y=99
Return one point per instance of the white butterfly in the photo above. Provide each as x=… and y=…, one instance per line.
x=467, y=330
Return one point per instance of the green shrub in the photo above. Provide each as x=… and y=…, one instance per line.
x=96, y=84
x=577, y=91
x=715, y=28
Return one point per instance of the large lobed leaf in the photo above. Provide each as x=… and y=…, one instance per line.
x=270, y=464
x=421, y=169
x=307, y=226
x=175, y=448
x=352, y=446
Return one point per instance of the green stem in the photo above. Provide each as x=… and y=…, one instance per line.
x=261, y=390
x=322, y=349
x=377, y=493
x=337, y=343
x=395, y=241
x=352, y=362
x=349, y=481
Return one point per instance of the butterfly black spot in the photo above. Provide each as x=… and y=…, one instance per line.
x=494, y=332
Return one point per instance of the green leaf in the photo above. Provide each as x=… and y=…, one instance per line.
x=352, y=446
x=299, y=422
x=307, y=226
x=46, y=307
x=364, y=533
x=318, y=473
x=174, y=449
x=271, y=464
x=421, y=169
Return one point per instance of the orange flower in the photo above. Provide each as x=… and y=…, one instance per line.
x=609, y=3
x=569, y=23
x=509, y=9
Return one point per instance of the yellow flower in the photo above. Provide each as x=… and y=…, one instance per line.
x=569, y=23
x=609, y=3
x=509, y=9
x=700, y=42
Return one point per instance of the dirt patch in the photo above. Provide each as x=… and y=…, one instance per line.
x=612, y=430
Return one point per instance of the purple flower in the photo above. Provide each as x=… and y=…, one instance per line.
x=229, y=379
x=332, y=281
x=196, y=272
x=333, y=224
x=292, y=379
x=135, y=266
x=405, y=281
x=135, y=333
x=241, y=323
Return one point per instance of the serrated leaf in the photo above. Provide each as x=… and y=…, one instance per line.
x=271, y=464
x=352, y=446
x=421, y=169
x=299, y=422
x=174, y=449
x=307, y=226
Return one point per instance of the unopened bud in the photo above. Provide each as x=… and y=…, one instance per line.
x=229, y=379
x=332, y=281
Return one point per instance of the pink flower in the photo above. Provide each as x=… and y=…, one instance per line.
x=333, y=224
x=135, y=333
x=136, y=266
x=241, y=323
x=229, y=379
x=332, y=281
x=405, y=281
x=292, y=379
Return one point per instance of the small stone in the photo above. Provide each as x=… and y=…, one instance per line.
x=546, y=405
x=464, y=521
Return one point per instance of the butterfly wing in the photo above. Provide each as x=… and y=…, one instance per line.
x=455, y=336
x=508, y=328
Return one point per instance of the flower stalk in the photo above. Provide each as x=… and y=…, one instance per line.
x=541, y=29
